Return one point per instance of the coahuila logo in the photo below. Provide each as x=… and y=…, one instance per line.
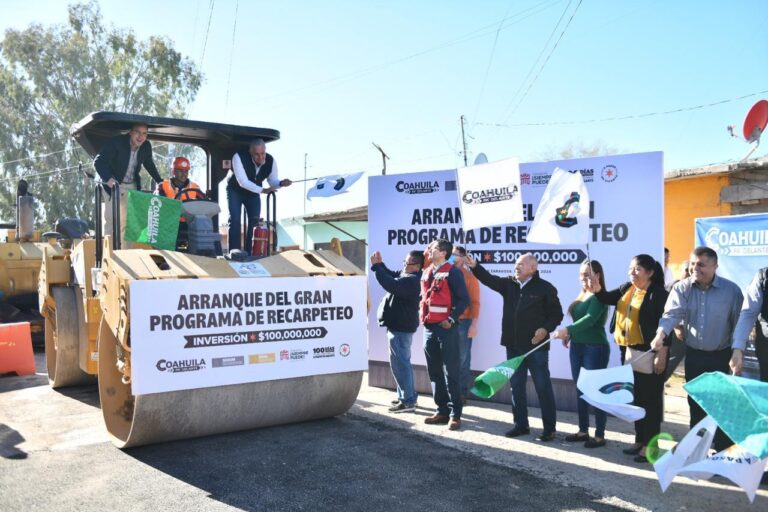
x=153, y=219
x=491, y=195
x=185, y=365
x=419, y=187
x=744, y=242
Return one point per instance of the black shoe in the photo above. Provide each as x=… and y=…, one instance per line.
x=401, y=407
x=395, y=401
x=517, y=432
x=641, y=459
x=594, y=443
x=577, y=437
x=632, y=450
x=546, y=437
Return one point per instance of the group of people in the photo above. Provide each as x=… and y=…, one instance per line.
x=123, y=156
x=704, y=312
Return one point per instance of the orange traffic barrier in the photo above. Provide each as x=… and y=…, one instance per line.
x=16, y=349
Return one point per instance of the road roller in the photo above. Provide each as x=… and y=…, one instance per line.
x=186, y=344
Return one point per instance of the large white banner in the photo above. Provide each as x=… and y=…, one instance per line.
x=196, y=333
x=626, y=211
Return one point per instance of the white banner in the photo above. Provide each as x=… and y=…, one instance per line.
x=626, y=211
x=490, y=194
x=196, y=333
x=563, y=213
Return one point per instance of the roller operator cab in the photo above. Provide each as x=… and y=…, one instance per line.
x=185, y=345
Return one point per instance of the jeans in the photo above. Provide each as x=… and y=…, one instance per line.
x=441, y=348
x=538, y=364
x=465, y=355
x=400, y=363
x=589, y=357
x=236, y=199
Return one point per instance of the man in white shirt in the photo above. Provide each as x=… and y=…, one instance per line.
x=250, y=167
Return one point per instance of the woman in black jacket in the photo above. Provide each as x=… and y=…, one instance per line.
x=639, y=306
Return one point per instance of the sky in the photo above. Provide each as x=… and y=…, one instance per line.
x=529, y=77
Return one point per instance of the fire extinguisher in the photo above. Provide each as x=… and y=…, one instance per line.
x=260, y=244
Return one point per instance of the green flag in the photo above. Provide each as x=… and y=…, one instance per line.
x=491, y=381
x=738, y=405
x=152, y=220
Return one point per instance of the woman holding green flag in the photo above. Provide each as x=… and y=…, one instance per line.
x=588, y=347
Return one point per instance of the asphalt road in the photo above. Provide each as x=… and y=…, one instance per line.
x=55, y=455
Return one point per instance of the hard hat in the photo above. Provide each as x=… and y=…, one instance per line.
x=181, y=163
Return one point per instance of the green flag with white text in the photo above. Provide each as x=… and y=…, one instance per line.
x=491, y=381
x=152, y=220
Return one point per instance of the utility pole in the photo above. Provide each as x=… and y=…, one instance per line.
x=384, y=158
x=463, y=140
x=304, y=224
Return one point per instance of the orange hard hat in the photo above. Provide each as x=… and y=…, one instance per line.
x=181, y=163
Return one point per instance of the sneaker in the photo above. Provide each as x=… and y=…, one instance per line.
x=395, y=401
x=401, y=407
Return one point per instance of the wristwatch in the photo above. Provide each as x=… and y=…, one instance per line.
x=451, y=321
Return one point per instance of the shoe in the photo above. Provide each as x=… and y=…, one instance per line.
x=633, y=450
x=546, y=437
x=517, y=432
x=455, y=424
x=437, y=419
x=641, y=459
x=401, y=407
x=594, y=443
x=395, y=401
x=577, y=437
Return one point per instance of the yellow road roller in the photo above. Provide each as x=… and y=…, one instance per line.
x=186, y=345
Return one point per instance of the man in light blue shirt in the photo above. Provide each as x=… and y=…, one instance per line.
x=707, y=306
x=754, y=313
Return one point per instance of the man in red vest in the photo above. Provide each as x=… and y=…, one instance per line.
x=444, y=298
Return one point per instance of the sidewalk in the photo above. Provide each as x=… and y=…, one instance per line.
x=605, y=471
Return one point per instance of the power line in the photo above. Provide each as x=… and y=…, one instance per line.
x=538, y=58
x=543, y=65
x=35, y=157
x=207, y=31
x=625, y=117
x=231, y=54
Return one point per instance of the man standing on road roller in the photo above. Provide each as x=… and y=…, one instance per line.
x=119, y=163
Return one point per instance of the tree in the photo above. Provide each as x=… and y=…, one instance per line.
x=51, y=77
x=578, y=150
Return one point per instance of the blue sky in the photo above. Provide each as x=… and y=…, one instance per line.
x=335, y=76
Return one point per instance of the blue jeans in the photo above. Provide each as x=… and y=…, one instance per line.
x=236, y=199
x=441, y=348
x=400, y=363
x=465, y=355
x=538, y=364
x=589, y=357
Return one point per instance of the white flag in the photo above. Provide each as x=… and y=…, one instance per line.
x=489, y=194
x=611, y=390
x=328, y=186
x=735, y=464
x=691, y=449
x=563, y=213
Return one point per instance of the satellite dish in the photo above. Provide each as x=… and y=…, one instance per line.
x=755, y=122
x=482, y=159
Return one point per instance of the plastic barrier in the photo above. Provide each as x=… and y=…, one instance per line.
x=16, y=349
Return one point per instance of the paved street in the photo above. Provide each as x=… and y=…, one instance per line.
x=55, y=455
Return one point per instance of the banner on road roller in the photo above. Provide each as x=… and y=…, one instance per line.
x=195, y=333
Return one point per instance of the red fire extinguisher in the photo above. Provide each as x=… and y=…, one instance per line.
x=260, y=244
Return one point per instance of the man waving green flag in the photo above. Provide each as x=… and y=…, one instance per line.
x=152, y=220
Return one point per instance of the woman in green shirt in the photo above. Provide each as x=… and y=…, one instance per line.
x=588, y=347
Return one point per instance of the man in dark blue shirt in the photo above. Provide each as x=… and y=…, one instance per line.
x=399, y=313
